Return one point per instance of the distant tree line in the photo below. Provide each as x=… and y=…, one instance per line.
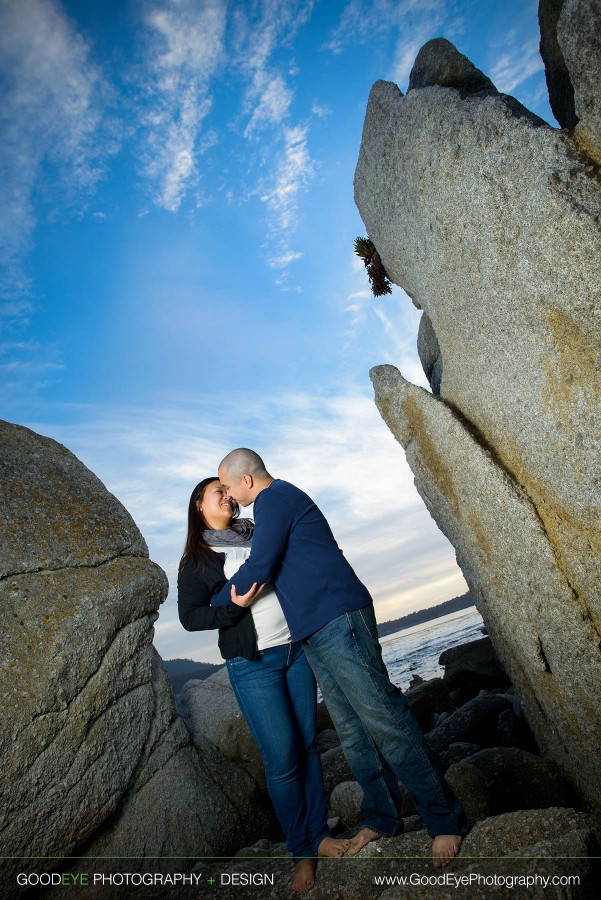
x=182, y=670
x=425, y=615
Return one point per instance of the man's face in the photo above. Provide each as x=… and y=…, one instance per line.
x=240, y=491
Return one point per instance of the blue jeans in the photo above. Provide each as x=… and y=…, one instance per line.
x=277, y=695
x=381, y=738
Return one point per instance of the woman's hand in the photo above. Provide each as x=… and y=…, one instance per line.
x=246, y=599
x=243, y=599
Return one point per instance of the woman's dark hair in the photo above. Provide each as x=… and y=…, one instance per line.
x=196, y=548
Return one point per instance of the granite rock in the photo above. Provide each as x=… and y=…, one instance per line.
x=428, y=699
x=457, y=752
x=516, y=779
x=211, y=711
x=439, y=62
x=93, y=752
x=489, y=219
x=559, y=83
x=571, y=49
x=475, y=721
x=545, y=842
x=473, y=663
x=345, y=801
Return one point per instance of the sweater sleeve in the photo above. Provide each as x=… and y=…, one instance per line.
x=194, y=603
x=273, y=521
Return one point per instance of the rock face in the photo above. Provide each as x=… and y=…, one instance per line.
x=571, y=50
x=94, y=756
x=490, y=220
x=212, y=713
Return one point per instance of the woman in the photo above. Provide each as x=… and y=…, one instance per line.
x=273, y=682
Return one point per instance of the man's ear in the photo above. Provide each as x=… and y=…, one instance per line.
x=248, y=481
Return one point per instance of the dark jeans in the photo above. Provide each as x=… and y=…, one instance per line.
x=380, y=735
x=277, y=695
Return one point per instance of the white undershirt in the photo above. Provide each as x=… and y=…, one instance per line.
x=268, y=618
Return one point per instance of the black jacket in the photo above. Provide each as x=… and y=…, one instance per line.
x=195, y=587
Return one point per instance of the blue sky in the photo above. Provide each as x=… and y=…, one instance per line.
x=176, y=243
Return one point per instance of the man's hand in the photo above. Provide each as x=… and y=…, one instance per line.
x=246, y=599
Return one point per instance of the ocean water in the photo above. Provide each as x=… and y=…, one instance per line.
x=415, y=650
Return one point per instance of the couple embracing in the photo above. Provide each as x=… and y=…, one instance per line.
x=288, y=612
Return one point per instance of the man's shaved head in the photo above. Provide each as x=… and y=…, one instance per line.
x=244, y=462
x=243, y=475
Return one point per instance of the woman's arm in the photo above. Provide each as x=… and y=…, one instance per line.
x=194, y=592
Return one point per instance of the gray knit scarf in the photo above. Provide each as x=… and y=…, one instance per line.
x=240, y=532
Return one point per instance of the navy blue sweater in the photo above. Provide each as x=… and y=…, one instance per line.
x=293, y=546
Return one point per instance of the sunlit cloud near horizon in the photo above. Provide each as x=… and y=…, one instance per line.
x=176, y=254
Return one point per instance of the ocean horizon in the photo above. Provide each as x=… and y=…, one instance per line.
x=415, y=650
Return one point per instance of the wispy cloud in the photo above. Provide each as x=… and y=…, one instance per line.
x=415, y=21
x=50, y=131
x=391, y=322
x=294, y=172
x=189, y=45
x=273, y=98
x=260, y=31
x=184, y=51
x=516, y=65
x=26, y=366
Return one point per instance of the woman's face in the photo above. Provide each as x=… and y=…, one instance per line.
x=217, y=509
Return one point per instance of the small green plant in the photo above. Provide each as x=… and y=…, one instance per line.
x=379, y=280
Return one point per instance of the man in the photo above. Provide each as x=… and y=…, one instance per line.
x=331, y=611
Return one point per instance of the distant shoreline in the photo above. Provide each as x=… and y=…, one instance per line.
x=182, y=670
x=425, y=615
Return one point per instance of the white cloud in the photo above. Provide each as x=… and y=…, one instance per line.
x=516, y=65
x=272, y=101
x=392, y=322
x=336, y=448
x=260, y=31
x=257, y=35
x=415, y=21
x=320, y=110
x=362, y=21
x=294, y=172
x=185, y=50
x=50, y=132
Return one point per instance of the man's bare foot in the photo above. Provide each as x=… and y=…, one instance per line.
x=332, y=847
x=444, y=848
x=304, y=876
x=362, y=838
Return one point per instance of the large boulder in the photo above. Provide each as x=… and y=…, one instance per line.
x=476, y=721
x=489, y=218
x=212, y=714
x=514, y=779
x=473, y=666
x=427, y=700
x=94, y=754
x=571, y=50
